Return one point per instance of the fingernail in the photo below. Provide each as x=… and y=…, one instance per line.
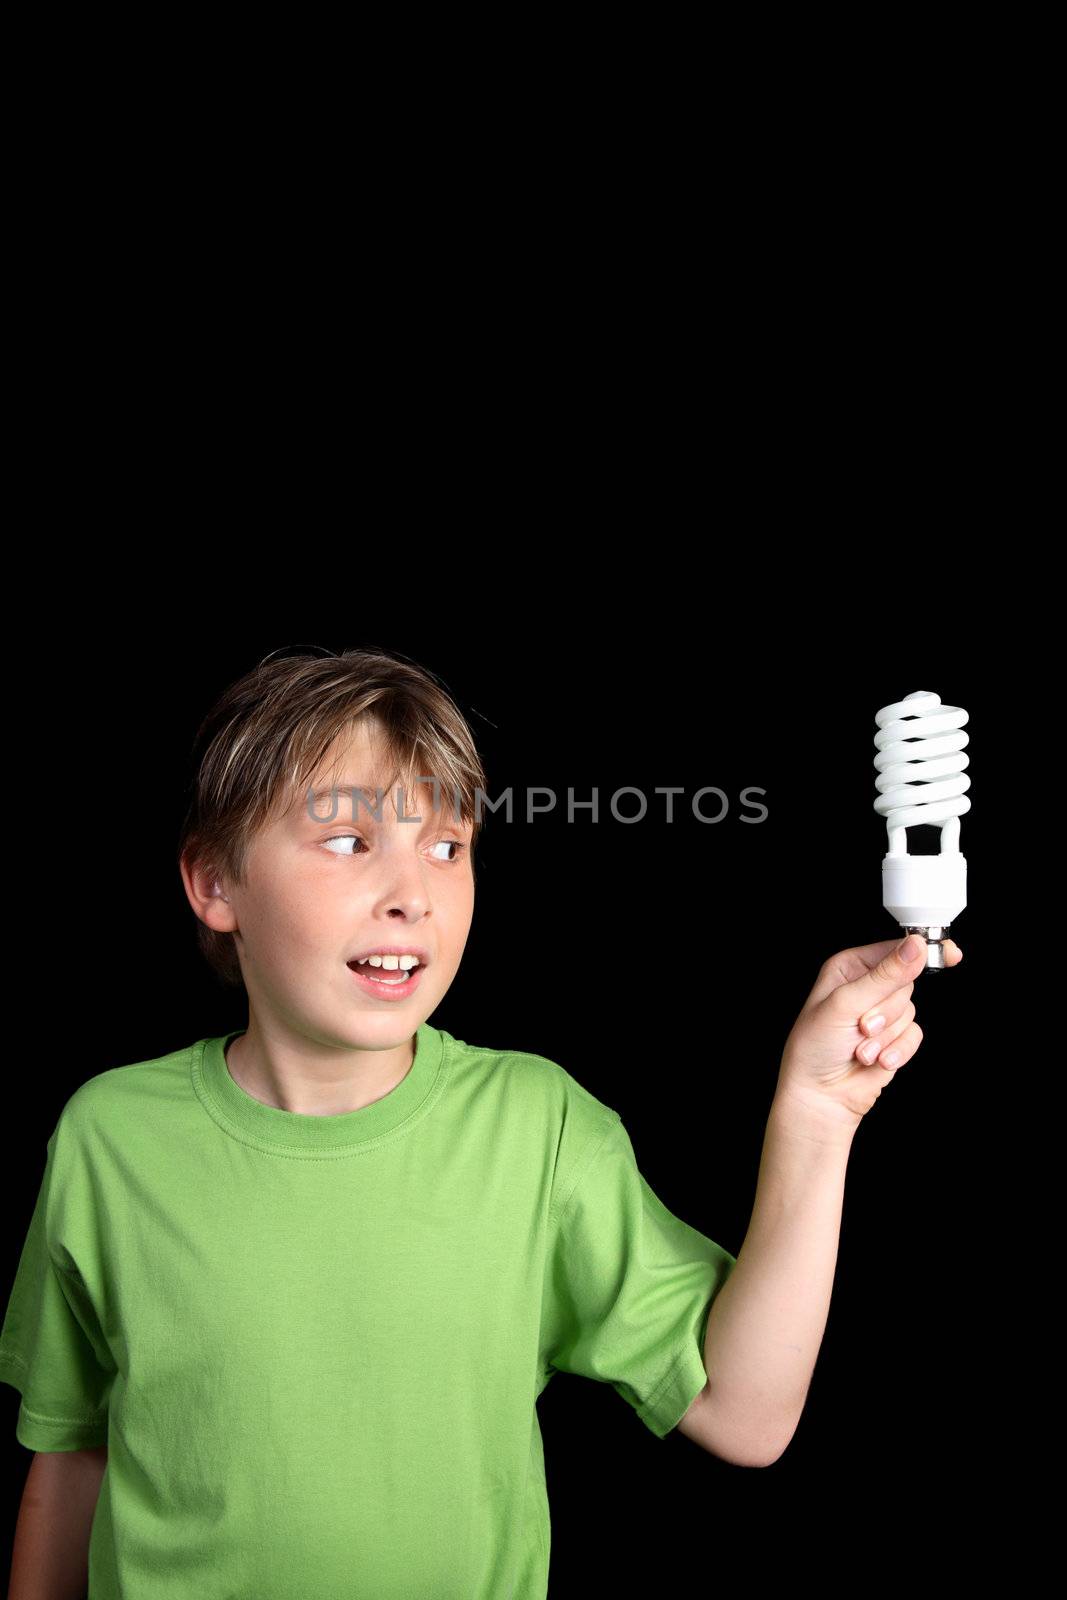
x=869, y=1051
x=910, y=947
x=891, y=1058
x=874, y=1023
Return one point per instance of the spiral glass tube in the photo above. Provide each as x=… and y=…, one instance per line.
x=921, y=779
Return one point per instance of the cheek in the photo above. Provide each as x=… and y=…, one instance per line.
x=461, y=913
x=457, y=893
x=294, y=914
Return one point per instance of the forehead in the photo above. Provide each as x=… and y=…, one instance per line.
x=360, y=747
x=359, y=761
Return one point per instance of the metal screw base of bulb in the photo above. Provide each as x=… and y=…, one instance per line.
x=935, y=949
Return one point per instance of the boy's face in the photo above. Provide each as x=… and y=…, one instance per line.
x=318, y=892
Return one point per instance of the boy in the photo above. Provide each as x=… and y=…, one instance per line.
x=289, y=1295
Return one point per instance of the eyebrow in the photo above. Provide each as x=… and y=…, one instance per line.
x=358, y=804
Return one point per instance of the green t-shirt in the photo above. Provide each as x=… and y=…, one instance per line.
x=314, y=1345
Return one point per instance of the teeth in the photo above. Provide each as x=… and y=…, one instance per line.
x=402, y=965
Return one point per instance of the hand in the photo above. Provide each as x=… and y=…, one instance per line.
x=825, y=1067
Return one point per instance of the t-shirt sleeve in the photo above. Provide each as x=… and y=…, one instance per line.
x=51, y=1347
x=629, y=1287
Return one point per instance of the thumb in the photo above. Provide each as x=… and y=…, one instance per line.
x=894, y=970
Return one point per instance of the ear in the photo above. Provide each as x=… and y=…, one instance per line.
x=204, y=892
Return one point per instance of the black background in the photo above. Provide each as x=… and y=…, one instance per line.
x=678, y=432
x=661, y=670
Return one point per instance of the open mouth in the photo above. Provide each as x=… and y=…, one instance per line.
x=386, y=981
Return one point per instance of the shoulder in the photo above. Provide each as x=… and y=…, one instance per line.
x=529, y=1071
x=574, y=1122
x=118, y=1094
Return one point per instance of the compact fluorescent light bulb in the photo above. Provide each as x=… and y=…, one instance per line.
x=920, y=764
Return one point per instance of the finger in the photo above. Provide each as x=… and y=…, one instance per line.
x=845, y=966
x=901, y=1050
x=880, y=1019
x=869, y=1050
x=899, y=966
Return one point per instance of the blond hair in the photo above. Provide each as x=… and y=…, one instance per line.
x=266, y=736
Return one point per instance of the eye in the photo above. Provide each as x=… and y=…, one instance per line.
x=343, y=839
x=457, y=844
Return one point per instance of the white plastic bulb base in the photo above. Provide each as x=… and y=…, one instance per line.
x=924, y=893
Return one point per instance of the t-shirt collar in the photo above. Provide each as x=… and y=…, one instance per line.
x=298, y=1133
